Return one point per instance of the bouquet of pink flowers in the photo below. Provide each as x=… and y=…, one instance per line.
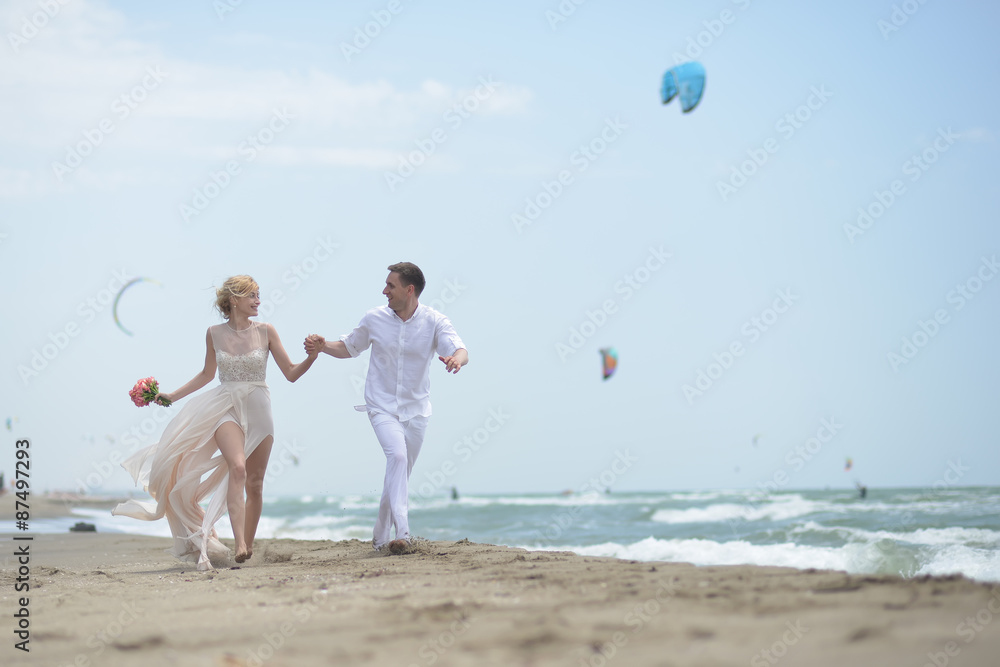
x=145, y=392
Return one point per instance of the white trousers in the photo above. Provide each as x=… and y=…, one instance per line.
x=401, y=441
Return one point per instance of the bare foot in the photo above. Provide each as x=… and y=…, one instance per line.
x=242, y=556
x=397, y=547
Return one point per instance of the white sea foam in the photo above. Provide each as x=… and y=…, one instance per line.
x=350, y=532
x=356, y=503
x=320, y=521
x=974, y=563
x=953, y=535
x=709, y=552
x=592, y=498
x=855, y=558
x=956, y=535
x=434, y=503
x=867, y=557
x=104, y=522
x=701, y=495
x=443, y=500
x=780, y=508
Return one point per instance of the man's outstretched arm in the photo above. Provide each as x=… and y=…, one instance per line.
x=454, y=363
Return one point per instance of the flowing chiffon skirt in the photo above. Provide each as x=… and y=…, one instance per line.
x=172, y=470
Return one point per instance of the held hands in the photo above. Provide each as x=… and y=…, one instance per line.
x=314, y=344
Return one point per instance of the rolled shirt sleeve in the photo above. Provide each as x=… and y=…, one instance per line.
x=447, y=340
x=358, y=340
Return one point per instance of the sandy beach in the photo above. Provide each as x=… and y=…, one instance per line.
x=103, y=599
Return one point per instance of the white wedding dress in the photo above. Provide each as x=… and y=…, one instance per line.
x=185, y=467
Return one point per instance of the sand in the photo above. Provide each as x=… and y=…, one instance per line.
x=111, y=599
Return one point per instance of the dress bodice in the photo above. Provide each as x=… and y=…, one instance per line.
x=241, y=355
x=250, y=367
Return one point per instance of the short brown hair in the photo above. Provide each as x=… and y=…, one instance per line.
x=410, y=274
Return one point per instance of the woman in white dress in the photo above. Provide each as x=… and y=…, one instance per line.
x=218, y=444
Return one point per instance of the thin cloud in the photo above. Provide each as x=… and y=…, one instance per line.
x=86, y=66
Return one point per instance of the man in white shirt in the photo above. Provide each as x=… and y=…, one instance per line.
x=404, y=336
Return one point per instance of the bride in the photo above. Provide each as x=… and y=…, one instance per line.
x=233, y=420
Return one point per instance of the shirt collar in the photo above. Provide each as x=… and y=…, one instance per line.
x=400, y=319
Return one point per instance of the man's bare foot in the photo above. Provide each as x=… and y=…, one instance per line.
x=397, y=547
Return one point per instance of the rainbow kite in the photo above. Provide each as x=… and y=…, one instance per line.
x=610, y=357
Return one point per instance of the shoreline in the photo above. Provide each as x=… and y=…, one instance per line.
x=52, y=506
x=57, y=511
x=122, y=600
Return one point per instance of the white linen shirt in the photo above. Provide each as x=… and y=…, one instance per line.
x=399, y=382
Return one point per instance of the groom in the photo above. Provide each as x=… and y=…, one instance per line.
x=404, y=336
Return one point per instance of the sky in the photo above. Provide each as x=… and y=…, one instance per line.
x=807, y=257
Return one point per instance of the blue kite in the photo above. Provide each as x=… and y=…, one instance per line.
x=687, y=80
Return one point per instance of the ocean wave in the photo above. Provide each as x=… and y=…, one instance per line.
x=709, y=552
x=355, y=503
x=104, y=522
x=319, y=521
x=787, y=507
x=702, y=495
x=443, y=499
x=780, y=507
x=351, y=532
x=979, y=564
x=953, y=535
x=877, y=557
x=593, y=498
x=311, y=527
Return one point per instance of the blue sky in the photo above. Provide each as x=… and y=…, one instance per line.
x=196, y=140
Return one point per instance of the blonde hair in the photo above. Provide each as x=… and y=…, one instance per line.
x=234, y=286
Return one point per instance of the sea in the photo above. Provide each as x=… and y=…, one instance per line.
x=909, y=532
